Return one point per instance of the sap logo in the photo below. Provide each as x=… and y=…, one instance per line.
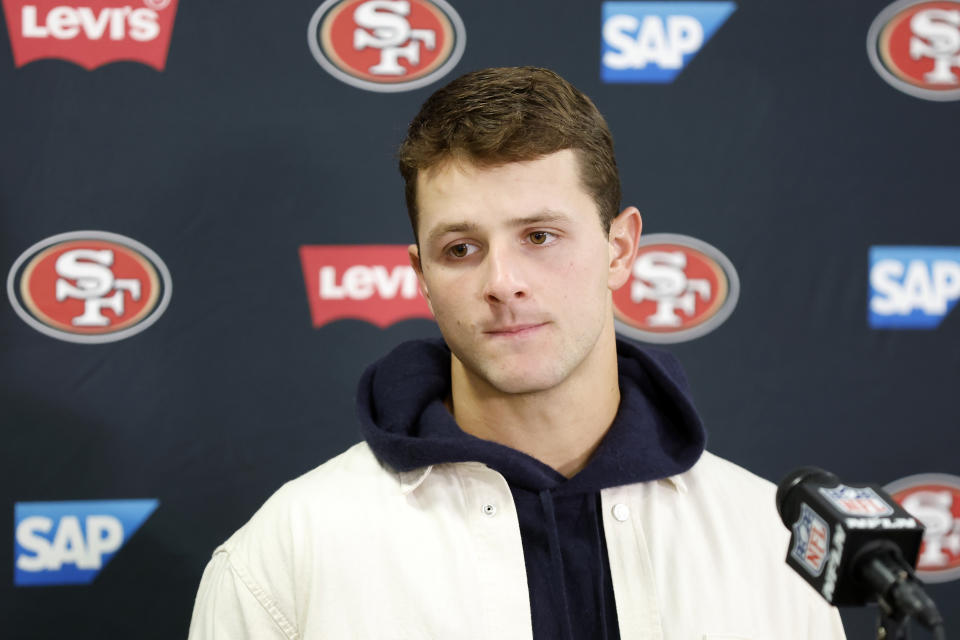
x=374, y=283
x=386, y=45
x=653, y=41
x=912, y=287
x=70, y=542
x=92, y=34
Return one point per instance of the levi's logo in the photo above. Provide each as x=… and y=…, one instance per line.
x=91, y=33
x=374, y=283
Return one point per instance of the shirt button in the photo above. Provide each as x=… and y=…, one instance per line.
x=489, y=510
x=621, y=512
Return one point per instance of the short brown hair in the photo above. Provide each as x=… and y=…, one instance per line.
x=512, y=114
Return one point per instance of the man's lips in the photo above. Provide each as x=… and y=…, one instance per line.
x=514, y=330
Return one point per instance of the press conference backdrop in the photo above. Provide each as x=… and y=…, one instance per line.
x=203, y=236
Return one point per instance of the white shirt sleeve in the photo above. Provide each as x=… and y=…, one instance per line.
x=230, y=605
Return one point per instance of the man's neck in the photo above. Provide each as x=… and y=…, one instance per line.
x=561, y=426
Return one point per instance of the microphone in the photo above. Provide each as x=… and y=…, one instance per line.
x=852, y=544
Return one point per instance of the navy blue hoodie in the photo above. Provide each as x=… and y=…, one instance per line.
x=656, y=434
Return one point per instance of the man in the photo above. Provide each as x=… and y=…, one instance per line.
x=531, y=476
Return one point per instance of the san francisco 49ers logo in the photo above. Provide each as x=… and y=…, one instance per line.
x=934, y=500
x=89, y=286
x=915, y=46
x=681, y=288
x=386, y=45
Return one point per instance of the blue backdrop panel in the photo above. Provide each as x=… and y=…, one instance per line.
x=769, y=134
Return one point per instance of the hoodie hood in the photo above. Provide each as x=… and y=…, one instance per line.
x=656, y=433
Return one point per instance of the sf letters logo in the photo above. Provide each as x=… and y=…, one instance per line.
x=659, y=277
x=92, y=282
x=89, y=286
x=941, y=540
x=936, y=35
x=383, y=25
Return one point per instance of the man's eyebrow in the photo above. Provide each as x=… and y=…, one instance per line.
x=541, y=217
x=454, y=227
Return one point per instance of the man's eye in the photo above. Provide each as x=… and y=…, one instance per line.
x=461, y=250
x=539, y=237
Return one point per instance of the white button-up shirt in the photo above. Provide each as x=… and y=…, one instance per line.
x=355, y=550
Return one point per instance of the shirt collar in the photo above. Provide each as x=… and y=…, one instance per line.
x=677, y=482
x=410, y=480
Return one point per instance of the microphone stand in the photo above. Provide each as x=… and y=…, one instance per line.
x=890, y=628
x=900, y=596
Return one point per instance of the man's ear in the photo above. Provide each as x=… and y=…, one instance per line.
x=414, y=252
x=623, y=238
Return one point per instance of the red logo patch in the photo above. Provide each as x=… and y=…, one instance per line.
x=680, y=289
x=89, y=287
x=934, y=500
x=915, y=46
x=386, y=45
x=374, y=283
x=91, y=33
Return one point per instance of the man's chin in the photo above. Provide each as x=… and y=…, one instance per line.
x=523, y=381
x=513, y=372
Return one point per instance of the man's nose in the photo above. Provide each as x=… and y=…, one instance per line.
x=504, y=278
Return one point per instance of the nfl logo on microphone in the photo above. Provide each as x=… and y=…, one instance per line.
x=857, y=501
x=812, y=541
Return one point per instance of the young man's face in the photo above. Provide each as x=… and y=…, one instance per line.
x=517, y=268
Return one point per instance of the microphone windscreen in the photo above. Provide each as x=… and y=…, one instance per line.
x=785, y=507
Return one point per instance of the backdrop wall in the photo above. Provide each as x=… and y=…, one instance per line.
x=218, y=157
